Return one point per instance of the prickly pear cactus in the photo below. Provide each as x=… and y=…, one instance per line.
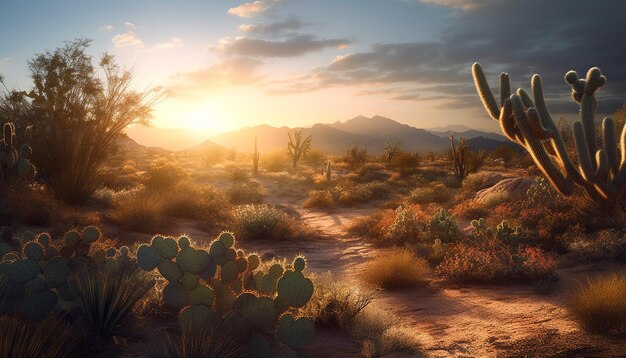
x=443, y=226
x=15, y=162
x=37, y=269
x=225, y=284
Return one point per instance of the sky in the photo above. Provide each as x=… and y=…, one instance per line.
x=229, y=64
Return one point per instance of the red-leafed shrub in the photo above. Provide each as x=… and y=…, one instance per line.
x=470, y=209
x=493, y=261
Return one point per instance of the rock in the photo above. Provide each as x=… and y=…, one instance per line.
x=516, y=188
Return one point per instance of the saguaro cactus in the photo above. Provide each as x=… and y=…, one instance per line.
x=255, y=160
x=459, y=157
x=329, y=171
x=601, y=170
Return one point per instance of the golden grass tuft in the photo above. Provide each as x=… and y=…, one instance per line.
x=398, y=268
x=599, y=304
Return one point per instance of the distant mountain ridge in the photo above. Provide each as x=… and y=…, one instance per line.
x=370, y=133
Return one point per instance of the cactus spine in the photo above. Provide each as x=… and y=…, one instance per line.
x=255, y=160
x=459, y=156
x=527, y=122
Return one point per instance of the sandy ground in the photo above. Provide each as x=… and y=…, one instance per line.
x=449, y=320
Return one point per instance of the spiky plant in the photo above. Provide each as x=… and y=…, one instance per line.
x=106, y=297
x=297, y=146
x=601, y=169
x=255, y=159
x=201, y=341
x=459, y=157
x=22, y=338
x=391, y=150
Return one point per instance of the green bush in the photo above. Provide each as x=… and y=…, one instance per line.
x=436, y=193
x=261, y=222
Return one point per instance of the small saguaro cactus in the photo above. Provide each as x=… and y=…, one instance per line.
x=297, y=147
x=601, y=169
x=328, y=171
x=255, y=160
x=459, y=157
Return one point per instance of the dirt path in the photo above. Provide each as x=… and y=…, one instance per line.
x=458, y=321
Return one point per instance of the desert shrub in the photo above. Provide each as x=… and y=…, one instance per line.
x=406, y=163
x=205, y=340
x=494, y=199
x=104, y=196
x=315, y=158
x=237, y=174
x=493, y=261
x=470, y=209
x=77, y=116
x=30, y=206
x=370, y=225
x=275, y=162
x=599, y=305
x=204, y=203
x=398, y=268
x=140, y=211
x=475, y=182
x=212, y=156
x=335, y=303
x=261, y=222
x=542, y=194
x=321, y=199
x=436, y=193
x=164, y=175
x=380, y=335
x=371, y=172
x=106, y=297
x=583, y=247
x=355, y=157
x=20, y=337
x=451, y=182
x=349, y=193
x=245, y=193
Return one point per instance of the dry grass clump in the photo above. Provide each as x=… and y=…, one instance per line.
x=340, y=305
x=470, y=209
x=164, y=175
x=437, y=193
x=139, y=212
x=206, y=341
x=494, y=199
x=245, y=193
x=381, y=335
x=599, y=304
x=321, y=199
x=20, y=337
x=398, y=268
x=335, y=304
x=261, y=222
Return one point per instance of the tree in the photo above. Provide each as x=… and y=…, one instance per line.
x=298, y=147
x=77, y=116
x=391, y=151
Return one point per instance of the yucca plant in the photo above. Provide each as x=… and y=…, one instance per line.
x=200, y=341
x=107, y=296
x=21, y=338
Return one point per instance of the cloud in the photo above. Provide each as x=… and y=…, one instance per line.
x=291, y=47
x=503, y=36
x=128, y=39
x=106, y=28
x=461, y=4
x=4, y=61
x=130, y=25
x=233, y=72
x=251, y=9
x=275, y=28
x=171, y=43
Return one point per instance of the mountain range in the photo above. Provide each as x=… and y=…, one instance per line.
x=370, y=133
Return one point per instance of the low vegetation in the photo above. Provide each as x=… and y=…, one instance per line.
x=398, y=268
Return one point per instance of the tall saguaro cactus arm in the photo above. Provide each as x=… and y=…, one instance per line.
x=601, y=169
